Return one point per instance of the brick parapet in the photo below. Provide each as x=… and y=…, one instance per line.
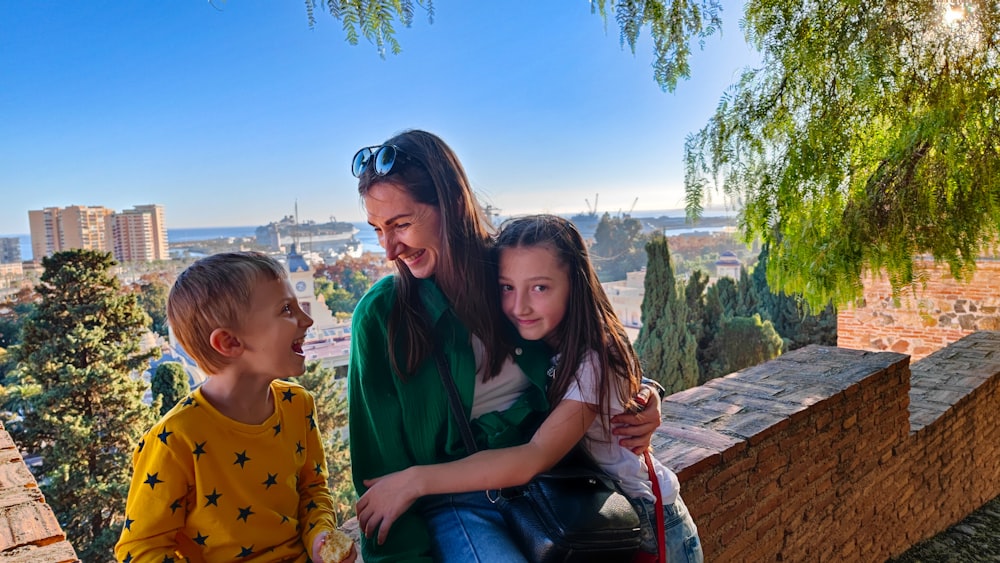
x=29, y=531
x=828, y=454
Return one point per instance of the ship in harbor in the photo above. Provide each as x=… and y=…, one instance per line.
x=329, y=239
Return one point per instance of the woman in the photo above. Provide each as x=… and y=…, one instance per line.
x=442, y=307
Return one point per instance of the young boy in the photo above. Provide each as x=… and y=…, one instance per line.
x=235, y=470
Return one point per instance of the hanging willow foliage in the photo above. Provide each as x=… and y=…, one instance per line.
x=868, y=137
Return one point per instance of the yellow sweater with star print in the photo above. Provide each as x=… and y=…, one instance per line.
x=207, y=488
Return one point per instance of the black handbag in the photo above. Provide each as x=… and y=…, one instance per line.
x=570, y=514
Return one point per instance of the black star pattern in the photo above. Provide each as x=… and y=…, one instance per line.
x=128, y=523
x=318, y=469
x=245, y=513
x=311, y=505
x=142, y=444
x=277, y=429
x=163, y=435
x=287, y=395
x=272, y=479
x=128, y=558
x=241, y=458
x=213, y=498
x=311, y=526
x=199, y=539
x=312, y=421
x=199, y=448
x=247, y=551
x=284, y=519
x=177, y=504
x=168, y=559
x=299, y=448
x=189, y=401
x=153, y=480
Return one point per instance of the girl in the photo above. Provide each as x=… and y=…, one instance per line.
x=550, y=292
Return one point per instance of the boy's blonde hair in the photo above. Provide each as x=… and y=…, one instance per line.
x=215, y=292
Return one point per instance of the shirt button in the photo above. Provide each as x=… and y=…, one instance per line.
x=517, y=351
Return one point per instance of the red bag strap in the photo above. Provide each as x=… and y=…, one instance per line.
x=661, y=531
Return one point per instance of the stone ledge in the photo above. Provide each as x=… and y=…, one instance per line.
x=29, y=531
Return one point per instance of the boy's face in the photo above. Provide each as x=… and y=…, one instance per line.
x=273, y=331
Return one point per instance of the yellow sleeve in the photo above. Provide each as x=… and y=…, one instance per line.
x=315, y=501
x=154, y=511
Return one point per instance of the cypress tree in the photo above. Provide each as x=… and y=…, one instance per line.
x=170, y=384
x=82, y=408
x=667, y=350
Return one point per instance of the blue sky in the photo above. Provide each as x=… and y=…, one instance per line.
x=229, y=113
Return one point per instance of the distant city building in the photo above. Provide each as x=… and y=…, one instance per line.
x=133, y=235
x=139, y=234
x=328, y=339
x=10, y=250
x=626, y=299
x=728, y=266
x=54, y=229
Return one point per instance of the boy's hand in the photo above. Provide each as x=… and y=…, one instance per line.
x=385, y=500
x=318, y=549
x=638, y=428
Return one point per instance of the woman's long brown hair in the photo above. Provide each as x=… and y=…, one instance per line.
x=466, y=274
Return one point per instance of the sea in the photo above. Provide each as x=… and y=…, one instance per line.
x=365, y=234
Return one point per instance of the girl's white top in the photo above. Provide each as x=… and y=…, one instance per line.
x=625, y=467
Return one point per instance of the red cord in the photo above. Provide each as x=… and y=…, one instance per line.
x=661, y=529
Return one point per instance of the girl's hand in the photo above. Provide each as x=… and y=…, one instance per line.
x=638, y=428
x=386, y=499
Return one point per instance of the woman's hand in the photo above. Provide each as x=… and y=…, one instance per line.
x=637, y=428
x=385, y=500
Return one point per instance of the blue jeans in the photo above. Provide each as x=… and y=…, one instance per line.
x=468, y=528
x=683, y=544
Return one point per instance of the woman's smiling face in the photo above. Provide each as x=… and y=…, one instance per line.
x=408, y=231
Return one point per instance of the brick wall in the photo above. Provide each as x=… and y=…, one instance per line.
x=29, y=531
x=834, y=454
x=926, y=317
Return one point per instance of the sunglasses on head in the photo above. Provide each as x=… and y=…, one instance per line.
x=380, y=158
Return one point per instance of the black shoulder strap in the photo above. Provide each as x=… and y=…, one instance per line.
x=454, y=402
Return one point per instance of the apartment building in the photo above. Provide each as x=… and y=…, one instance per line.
x=137, y=234
x=54, y=229
x=10, y=250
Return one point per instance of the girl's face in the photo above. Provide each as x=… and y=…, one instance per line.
x=534, y=291
x=408, y=231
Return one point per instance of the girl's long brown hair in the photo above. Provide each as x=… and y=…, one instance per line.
x=590, y=323
x=432, y=174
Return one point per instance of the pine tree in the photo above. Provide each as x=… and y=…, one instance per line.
x=617, y=247
x=331, y=410
x=745, y=342
x=82, y=408
x=667, y=350
x=169, y=384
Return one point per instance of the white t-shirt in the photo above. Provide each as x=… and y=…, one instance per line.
x=625, y=467
x=502, y=390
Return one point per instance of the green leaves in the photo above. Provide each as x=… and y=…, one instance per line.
x=374, y=19
x=867, y=138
